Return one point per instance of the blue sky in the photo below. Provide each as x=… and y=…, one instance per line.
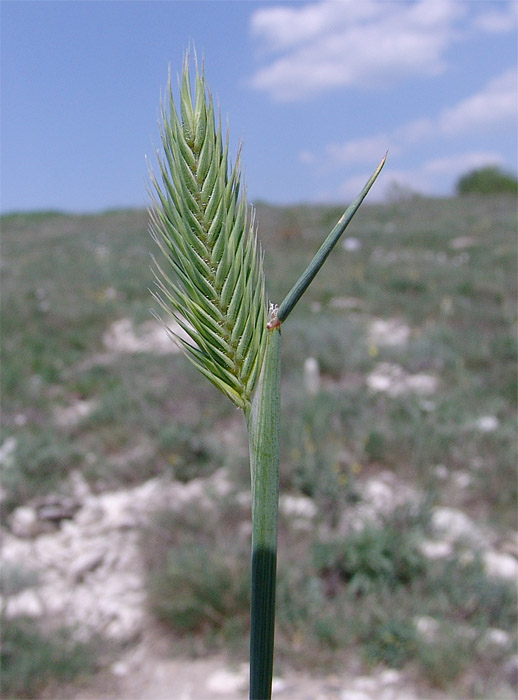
x=318, y=91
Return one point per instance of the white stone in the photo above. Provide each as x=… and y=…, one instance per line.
x=462, y=479
x=366, y=683
x=151, y=336
x=453, y=524
x=72, y=415
x=487, y=424
x=79, y=485
x=15, y=551
x=346, y=304
x=379, y=380
x=379, y=494
x=219, y=484
x=89, y=571
x=224, y=682
x=501, y=565
x=279, y=685
x=497, y=637
x=311, y=376
x=120, y=668
x=85, y=564
x=427, y=627
x=27, y=602
x=441, y=471
x=436, y=549
x=393, y=380
x=462, y=242
x=388, y=332
x=354, y=695
x=390, y=676
x=7, y=450
x=352, y=244
x=297, y=506
x=421, y=383
x=24, y=522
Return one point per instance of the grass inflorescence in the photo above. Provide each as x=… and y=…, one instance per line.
x=203, y=225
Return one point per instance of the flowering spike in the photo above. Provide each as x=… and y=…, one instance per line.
x=201, y=222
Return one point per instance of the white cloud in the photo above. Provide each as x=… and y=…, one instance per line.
x=285, y=27
x=461, y=162
x=307, y=157
x=361, y=151
x=415, y=131
x=438, y=175
x=343, y=43
x=493, y=107
x=433, y=176
x=499, y=19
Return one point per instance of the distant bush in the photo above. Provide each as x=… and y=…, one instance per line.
x=374, y=557
x=40, y=461
x=189, y=452
x=30, y=659
x=393, y=643
x=201, y=589
x=363, y=590
x=314, y=461
x=198, y=581
x=488, y=180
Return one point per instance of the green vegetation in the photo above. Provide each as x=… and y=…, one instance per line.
x=365, y=590
x=32, y=655
x=66, y=280
x=199, y=555
x=30, y=659
x=490, y=180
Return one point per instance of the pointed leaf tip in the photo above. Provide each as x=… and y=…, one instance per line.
x=298, y=289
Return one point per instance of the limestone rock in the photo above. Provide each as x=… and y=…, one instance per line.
x=501, y=565
x=85, y=552
x=24, y=522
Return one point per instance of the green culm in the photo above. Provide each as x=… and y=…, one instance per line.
x=212, y=287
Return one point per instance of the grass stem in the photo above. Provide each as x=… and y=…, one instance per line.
x=264, y=433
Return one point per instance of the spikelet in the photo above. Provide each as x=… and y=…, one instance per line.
x=212, y=283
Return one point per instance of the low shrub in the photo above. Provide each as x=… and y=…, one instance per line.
x=490, y=180
x=198, y=574
x=30, y=659
x=201, y=590
x=40, y=462
x=392, y=642
x=188, y=452
x=373, y=558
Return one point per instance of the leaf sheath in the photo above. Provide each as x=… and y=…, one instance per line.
x=264, y=435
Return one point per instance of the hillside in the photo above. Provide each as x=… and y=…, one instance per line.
x=398, y=465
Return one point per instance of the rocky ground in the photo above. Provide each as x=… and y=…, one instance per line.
x=84, y=550
x=142, y=675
